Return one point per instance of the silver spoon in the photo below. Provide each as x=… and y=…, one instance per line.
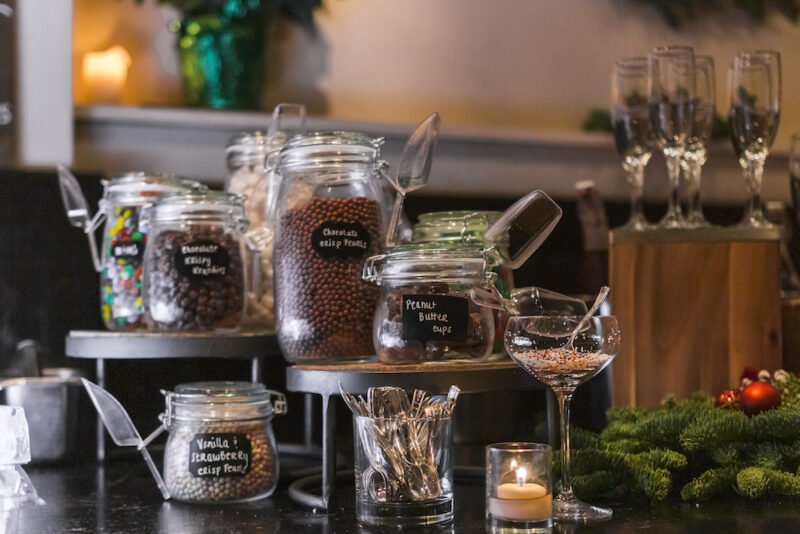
x=599, y=300
x=414, y=168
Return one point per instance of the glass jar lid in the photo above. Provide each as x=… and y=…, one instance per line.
x=253, y=145
x=461, y=226
x=443, y=262
x=200, y=204
x=326, y=148
x=221, y=401
x=141, y=187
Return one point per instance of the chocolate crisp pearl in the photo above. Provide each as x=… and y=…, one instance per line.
x=183, y=485
x=324, y=307
x=179, y=302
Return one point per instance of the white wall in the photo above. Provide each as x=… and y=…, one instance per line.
x=44, y=86
x=508, y=64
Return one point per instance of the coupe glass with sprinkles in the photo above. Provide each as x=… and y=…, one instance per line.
x=540, y=344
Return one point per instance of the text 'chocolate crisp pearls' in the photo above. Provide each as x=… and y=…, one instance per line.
x=325, y=307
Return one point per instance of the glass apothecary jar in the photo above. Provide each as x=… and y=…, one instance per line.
x=123, y=214
x=194, y=277
x=436, y=298
x=221, y=448
x=250, y=176
x=246, y=156
x=329, y=221
x=469, y=228
x=424, y=312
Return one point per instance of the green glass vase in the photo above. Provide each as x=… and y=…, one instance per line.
x=222, y=56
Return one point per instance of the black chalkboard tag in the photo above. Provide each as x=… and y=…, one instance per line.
x=202, y=259
x=435, y=317
x=222, y=454
x=126, y=250
x=333, y=239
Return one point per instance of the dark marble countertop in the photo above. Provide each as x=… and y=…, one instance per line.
x=120, y=497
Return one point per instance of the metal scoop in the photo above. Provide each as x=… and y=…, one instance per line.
x=414, y=168
x=286, y=118
x=78, y=210
x=120, y=427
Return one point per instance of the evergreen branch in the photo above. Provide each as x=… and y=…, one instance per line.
x=624, y=414
x=594, y=484
x=631, y=446
x=709, y=484
x=677, y=13
x=664, y=459
x=580, y=439
x=754, y=482
x=780, y=424
x=726, y=455
x=719, y=429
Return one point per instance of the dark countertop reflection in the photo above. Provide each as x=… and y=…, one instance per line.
x=120, y=497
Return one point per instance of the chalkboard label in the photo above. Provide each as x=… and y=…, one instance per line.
x=435, y=317
x=126, y=250
x=223, y=454
x=340, y=240
x=202, y=259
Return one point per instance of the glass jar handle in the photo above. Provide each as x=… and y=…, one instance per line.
x=370, y=272
x=279, y=406
x=256, y=242
x=491, y=298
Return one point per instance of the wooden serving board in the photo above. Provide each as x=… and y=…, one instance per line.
x=695, y=307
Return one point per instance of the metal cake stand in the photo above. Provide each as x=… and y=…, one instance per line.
x=357, y=378
x=101, y=345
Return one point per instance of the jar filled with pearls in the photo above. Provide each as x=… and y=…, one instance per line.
x=221, y=448
x=194, y=277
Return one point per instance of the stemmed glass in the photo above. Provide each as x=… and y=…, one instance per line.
x=755, y=93
x=794, y=170
x=671, y=93
x=633, y=131
x=538, y=344
x=694, y=157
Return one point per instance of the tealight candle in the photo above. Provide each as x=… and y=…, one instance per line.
x=104, y=74
x=527, y=501
x=519, y=493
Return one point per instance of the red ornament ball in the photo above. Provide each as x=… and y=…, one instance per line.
x=727, y=399
x=759, y=396
x=750, y=373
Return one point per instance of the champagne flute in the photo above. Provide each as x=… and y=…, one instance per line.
x=538, y=344
x=671, y=92
x=694, y=157
x=755, y=93
x=633, y=132
x=794, y=174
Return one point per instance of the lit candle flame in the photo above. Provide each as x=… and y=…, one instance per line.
x=105, y=73
x=522, y=475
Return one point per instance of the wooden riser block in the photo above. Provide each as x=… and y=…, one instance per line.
x=693, y=315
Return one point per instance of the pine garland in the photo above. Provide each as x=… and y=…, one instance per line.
x=692, y=449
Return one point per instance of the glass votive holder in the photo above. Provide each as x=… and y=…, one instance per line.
x=519, y=488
